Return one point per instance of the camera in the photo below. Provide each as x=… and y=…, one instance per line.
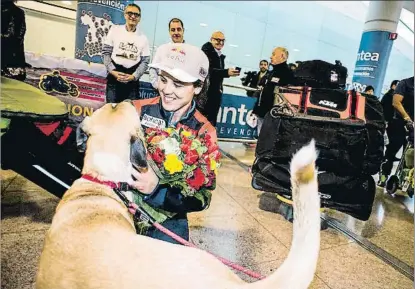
x=249, y=75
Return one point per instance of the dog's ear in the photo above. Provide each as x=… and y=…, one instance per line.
x=138, y=154
x=82, y=135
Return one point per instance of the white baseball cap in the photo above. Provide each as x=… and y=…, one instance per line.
x=185, y=62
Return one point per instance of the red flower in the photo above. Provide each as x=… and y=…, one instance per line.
x=186, y=144
x=211, y=178
x=158, y=156
x=191, y=157
x=216, y=155
x=197, y=180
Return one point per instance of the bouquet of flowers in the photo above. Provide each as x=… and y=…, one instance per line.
x=183, y=159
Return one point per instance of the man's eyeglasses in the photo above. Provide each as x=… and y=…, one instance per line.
x=219, y=40
x=131, y=14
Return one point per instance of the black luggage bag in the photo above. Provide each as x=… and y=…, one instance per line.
x=321, y=74
x=350, y=152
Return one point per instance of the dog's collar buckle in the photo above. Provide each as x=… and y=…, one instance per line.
x=123, y=186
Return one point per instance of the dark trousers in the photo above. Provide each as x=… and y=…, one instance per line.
x=212, y=106
x=397, y=138
x=178, y=226
x=118, y=91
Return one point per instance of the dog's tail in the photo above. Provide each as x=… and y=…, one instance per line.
x=297, y=271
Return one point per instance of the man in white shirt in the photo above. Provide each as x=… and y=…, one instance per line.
x=176, y=31
x=126, y=55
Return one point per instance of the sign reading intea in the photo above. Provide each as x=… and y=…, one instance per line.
x=367, y=56
x=372, y=60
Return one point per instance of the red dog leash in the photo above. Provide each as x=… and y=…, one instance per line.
x=140, y=214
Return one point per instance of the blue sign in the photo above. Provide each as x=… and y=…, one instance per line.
x=372, y=60
x=147, y=90
x=235, y=119
x=94, y=18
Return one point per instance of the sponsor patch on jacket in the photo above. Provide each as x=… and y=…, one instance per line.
x=153, y=122
x=275, y=79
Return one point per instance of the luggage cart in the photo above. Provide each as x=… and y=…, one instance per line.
x=403, y=178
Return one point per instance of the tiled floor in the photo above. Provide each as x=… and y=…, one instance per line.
x=233, y=227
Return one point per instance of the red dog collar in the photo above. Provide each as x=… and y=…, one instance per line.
x=112, y=185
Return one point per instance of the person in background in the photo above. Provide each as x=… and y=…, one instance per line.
x=369, y=90
x=280, y=75
x=176, y=31
x=183, y=74
x=388, y=109
x=217, y=72
x=403, y=120
x=13, y=30
x=126, y=54
x=253, y=78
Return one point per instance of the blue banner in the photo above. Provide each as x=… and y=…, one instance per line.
x=94, y=18
x=147, y=90
x=235, y=120
x=372, y=60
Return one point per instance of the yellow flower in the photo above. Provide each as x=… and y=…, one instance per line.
x=212, y=164
x=173, y=164
x=186, y=133
x=169, y=130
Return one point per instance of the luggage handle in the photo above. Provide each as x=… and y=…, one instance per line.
x=353, y=104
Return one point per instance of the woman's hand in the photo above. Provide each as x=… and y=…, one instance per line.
x=145, y=182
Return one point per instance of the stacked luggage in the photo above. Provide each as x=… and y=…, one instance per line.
x=321, y=74
x=348, y=128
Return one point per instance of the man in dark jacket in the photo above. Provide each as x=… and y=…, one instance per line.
x=253, y=78
x=217, y=73
x=13, y=30
x=279, y=75
x=388, y=109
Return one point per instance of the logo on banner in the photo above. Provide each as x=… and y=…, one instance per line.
x=367, y=56
x=235, y=118
x=372, y=60
x=54, y=82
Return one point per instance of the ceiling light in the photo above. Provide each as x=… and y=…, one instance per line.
x=233, y=45
x=67, y=2
x=203, y=24
x=247, y=55
x=295, y=49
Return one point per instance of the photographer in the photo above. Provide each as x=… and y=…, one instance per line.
x=253, y=78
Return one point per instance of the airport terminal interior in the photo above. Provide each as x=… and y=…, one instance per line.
x=247, y=226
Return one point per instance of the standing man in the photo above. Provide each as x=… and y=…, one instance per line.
x=217, y=72
x=126, y=55
x=13, y=30
x=253, y=78
x=279, y=75
x=388, y=109
x=403, y=102
x=176, y=31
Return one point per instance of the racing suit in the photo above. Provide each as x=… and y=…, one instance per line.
x=165, y=197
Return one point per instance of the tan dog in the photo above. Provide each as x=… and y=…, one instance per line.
x=92, y=241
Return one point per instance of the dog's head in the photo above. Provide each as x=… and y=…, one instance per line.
x=112, y=126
